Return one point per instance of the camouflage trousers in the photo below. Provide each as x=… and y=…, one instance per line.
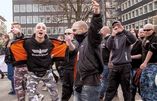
x=49, y=81
x=20, y=81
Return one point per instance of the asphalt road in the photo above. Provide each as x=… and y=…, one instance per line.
x=5, y=87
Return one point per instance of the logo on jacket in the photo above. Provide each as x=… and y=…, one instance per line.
x=39, y=52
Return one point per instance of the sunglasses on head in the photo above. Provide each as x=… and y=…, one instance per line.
x=147, y=30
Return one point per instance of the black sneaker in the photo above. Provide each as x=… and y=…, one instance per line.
x=2, y=77
x=11, y=93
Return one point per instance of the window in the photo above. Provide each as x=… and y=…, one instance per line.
x=136, y=25
x=129, y=15
x=16, y=8
x=133, y=2
x=29, y=19
x=29, y=8
x=41, y=19
x=59, y=30
x=133, y=25
x=133, y=14
x=137, y=13
x=129, y=27
x=17, y=19
x=129, y=3
x=48, y=19
x=141, y=24
x=35, y=7
x=125, y=5
x=23, y=19
x=145, y=9
x=141, y=10
x=136, y=1
x=47, y=8
x=126, y=17
x=48, y=30
x=155, y=5
x=24, y=30
x=35, y=19
x=145, y=21
x=126, y=27
x=22, y=8
x=123, y=18
x=29, y=31
x=41, y=8
x=150, y=7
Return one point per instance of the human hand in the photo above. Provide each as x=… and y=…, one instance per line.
x=143, y=65
x=95, y=7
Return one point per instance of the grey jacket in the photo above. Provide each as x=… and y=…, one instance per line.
x=120, y=47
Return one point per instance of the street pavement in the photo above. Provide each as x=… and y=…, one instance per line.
x=5, y=88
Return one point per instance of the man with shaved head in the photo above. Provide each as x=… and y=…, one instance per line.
x=105, y=31
x=149, y=65
x=150, y=38
x=38, y=49
x=90, y=64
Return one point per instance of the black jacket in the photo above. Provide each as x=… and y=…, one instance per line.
x=90, y=64
x=105, y=50
x=120, y=47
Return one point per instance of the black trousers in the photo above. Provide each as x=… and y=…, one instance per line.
x=67, y=87
x=119, y=74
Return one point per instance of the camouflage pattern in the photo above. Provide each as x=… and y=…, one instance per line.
x=147, y=83
x=20, y=74
x=48, y=79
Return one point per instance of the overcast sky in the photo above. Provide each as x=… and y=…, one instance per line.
x=6, y=11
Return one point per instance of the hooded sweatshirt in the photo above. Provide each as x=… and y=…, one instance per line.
x=39, y=58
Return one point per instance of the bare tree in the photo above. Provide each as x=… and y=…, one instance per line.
x=70, y=10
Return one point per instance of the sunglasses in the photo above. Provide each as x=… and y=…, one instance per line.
x=44, y=28
x=67, y=33
x=147, y=30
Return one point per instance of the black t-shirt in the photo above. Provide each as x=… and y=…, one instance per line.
x=146, y=46
x=136, y=49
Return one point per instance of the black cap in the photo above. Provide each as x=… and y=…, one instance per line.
x=115, y=22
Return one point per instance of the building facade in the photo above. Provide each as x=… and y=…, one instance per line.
x=3, y=27
x=136, y=13
x=30, y=12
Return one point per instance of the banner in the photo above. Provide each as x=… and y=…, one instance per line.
x=3, y=65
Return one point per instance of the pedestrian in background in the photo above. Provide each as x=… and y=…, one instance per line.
x=8, y=61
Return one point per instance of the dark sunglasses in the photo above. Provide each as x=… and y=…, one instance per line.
x=67, y=33
x=147, y=30
x=74, y=30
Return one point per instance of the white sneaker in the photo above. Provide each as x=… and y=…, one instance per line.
x=44, y=88
x=35, y=98
x=156, y=80
x=41, y=97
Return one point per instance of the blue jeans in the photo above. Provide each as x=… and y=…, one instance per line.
x=104, y=81
x=89, y=93
x=11, y=75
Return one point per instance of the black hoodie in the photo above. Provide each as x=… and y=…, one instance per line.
x=39, y=58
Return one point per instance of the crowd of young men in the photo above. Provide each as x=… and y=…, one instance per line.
x=95, y=61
